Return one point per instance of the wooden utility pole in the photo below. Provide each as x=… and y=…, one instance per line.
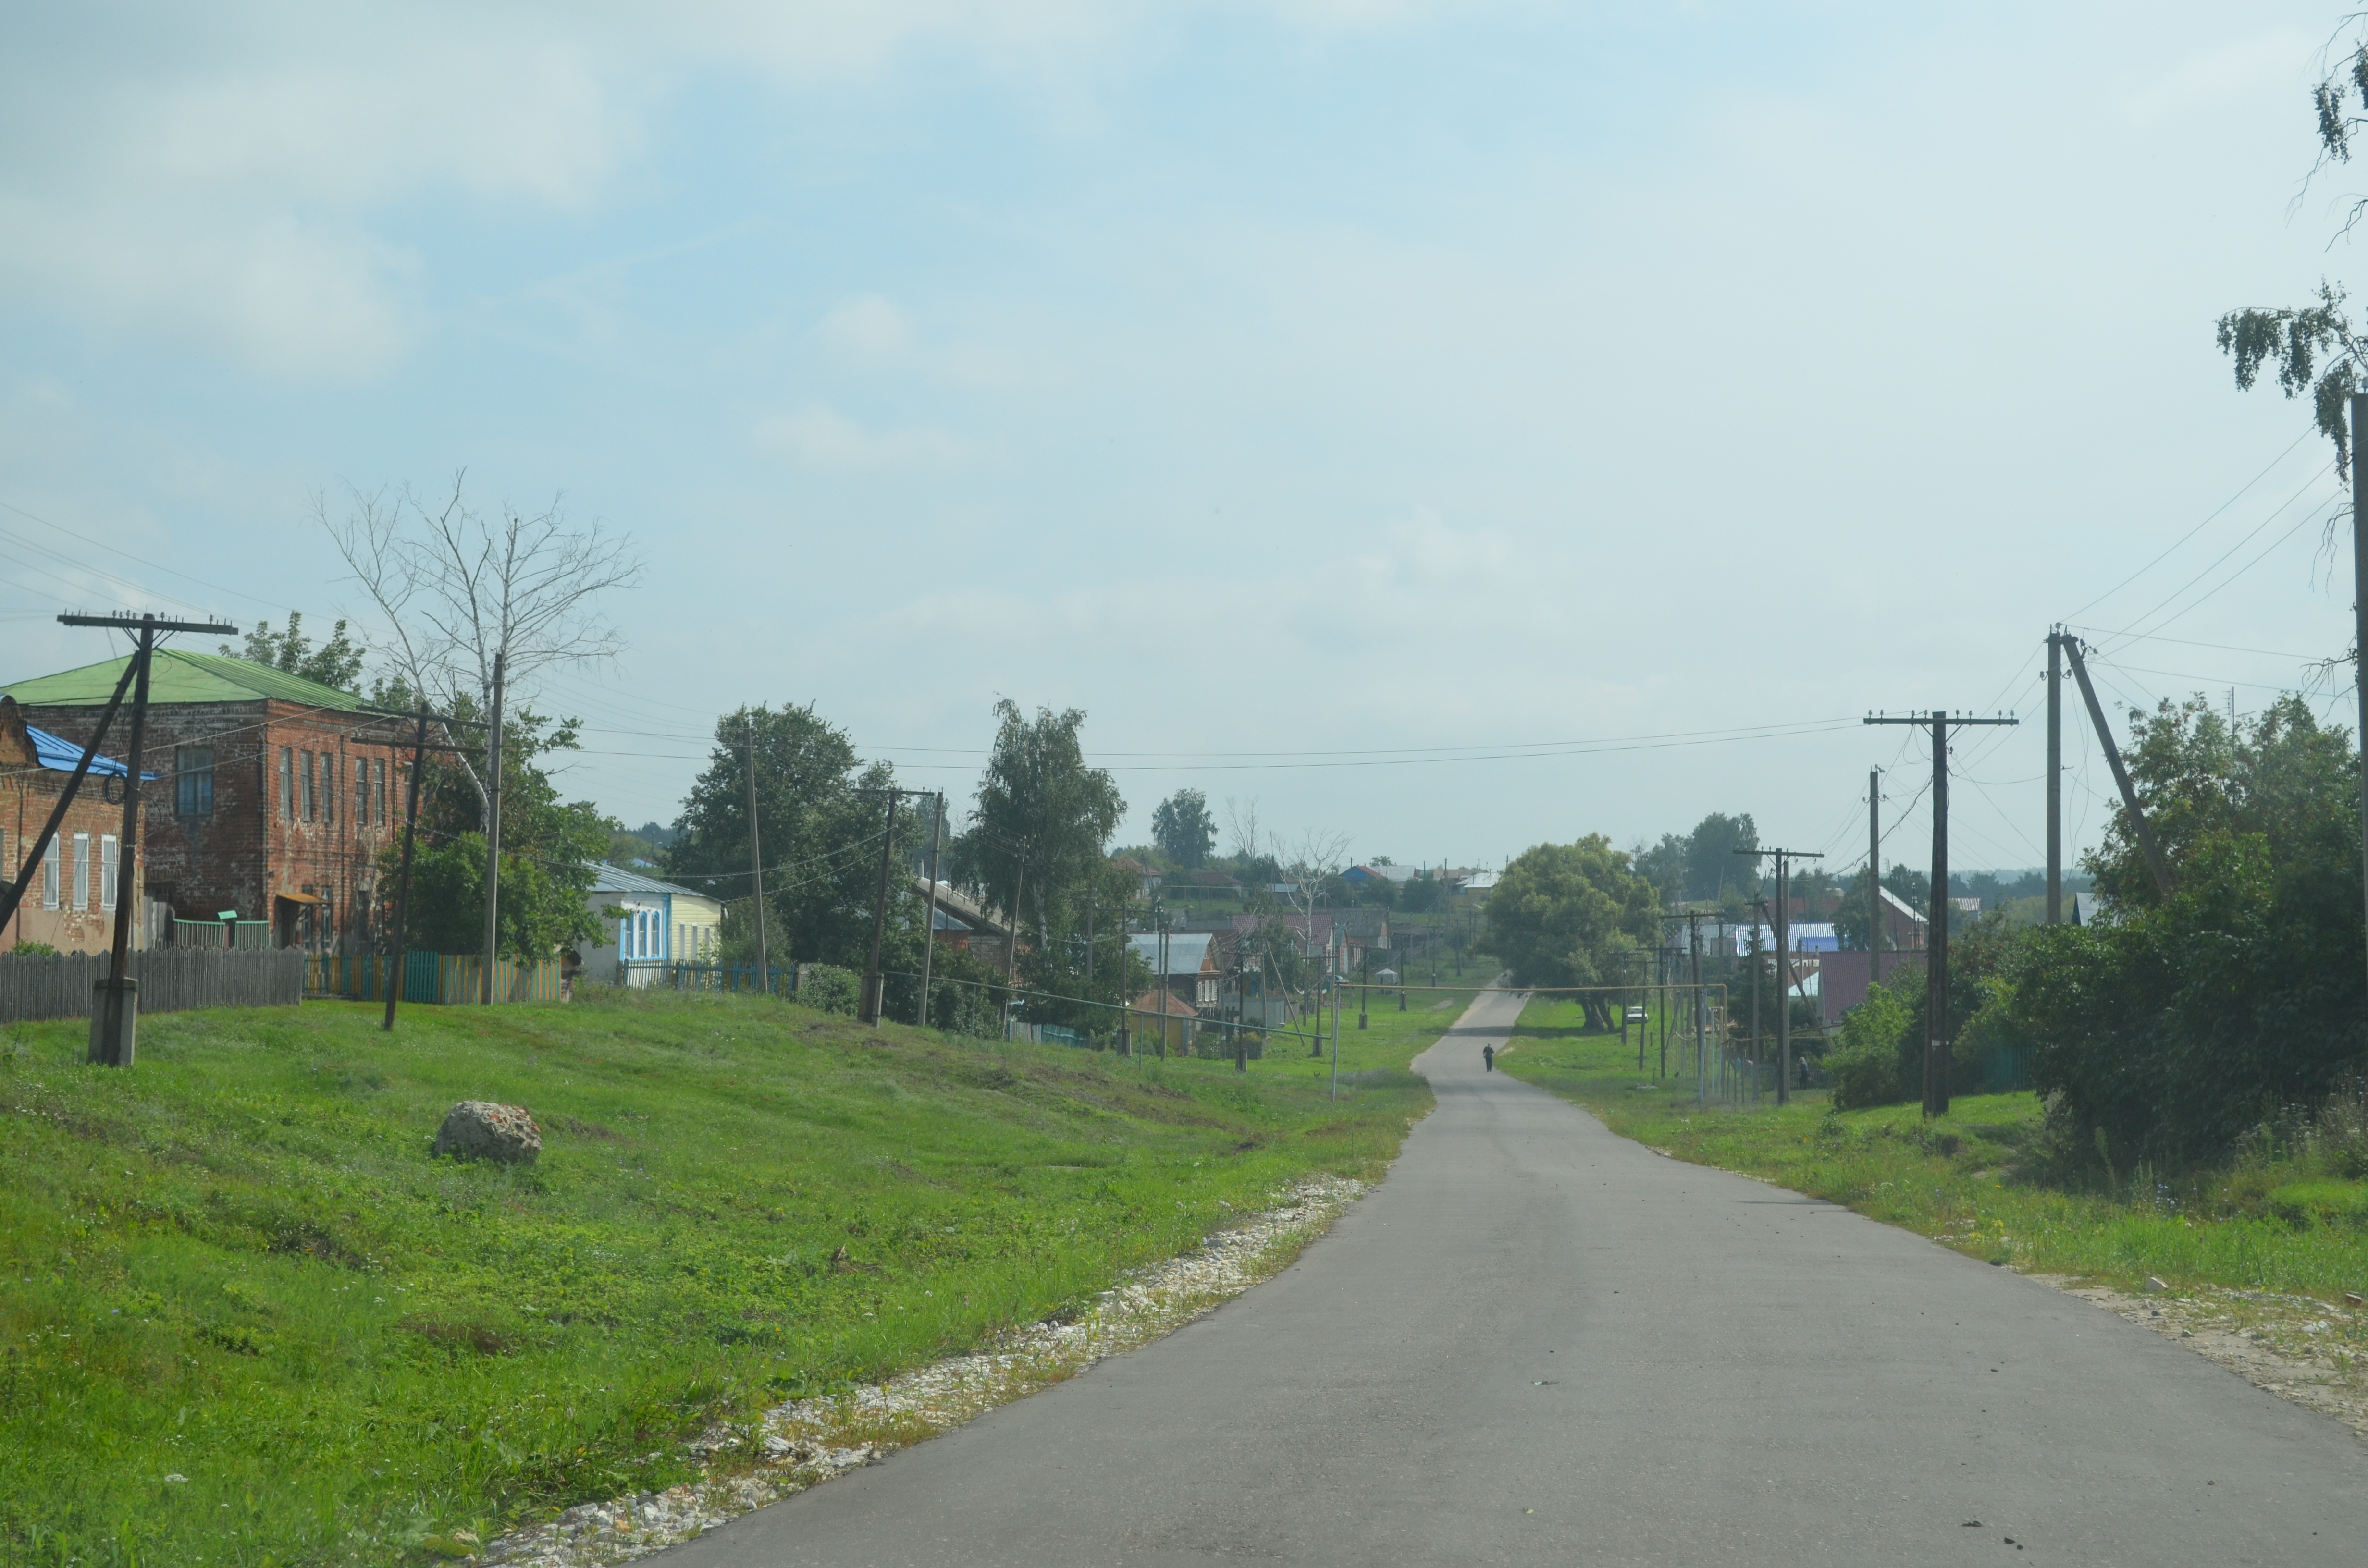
x=929, y=928
x=2144, y=831
x=1874, y=921
x=402, y=877
x=493, y=833
x=874, y=983
x=114, y=1024
x=1783, y=924
x=2055, y=776
x=1936, y=970
x=756, y=870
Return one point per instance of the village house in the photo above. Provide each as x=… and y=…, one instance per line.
x=71, y=904
x=275, y=794
x=1195, y=965
x=649, y=925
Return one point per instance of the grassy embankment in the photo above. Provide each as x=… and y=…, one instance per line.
x=1980, y=1179
x=238, y=1264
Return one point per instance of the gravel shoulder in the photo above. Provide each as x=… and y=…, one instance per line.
x=804, y=1443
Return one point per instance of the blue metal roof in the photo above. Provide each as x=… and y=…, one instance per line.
x=616, y=879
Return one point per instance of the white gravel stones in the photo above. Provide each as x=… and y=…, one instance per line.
x=809, y=1441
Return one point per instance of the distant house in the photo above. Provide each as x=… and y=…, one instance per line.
x=71, y=904
x=1194, y=964
x=1177, y=1024
x=657, y=924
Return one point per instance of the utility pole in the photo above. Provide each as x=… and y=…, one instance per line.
x=757, y=872
x=1364, y=974
x=1936, y=959
x=1126, y=1002
x=1338, y=976
x=2360, y=608
x=1756, y=927
x=492, y=832
x=2154, y=862
x=929, y=930
x=874, y=983
x=1873, y=877
x=1160, y=913
x=2055, y=776
x=1785, y=859
x=403, y=878
x=114, y=1023
x=1702, y=1067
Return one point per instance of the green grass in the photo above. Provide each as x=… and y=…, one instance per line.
x=1982, y=1178
x=238, y=1263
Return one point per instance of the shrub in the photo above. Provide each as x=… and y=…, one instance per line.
x=827, y=988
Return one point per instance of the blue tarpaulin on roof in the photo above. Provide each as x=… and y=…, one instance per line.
x=63, y=755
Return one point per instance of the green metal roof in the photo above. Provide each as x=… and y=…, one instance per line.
x=179, y=675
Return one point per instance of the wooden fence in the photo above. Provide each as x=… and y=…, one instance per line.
x=172, y=980
x=434, y=978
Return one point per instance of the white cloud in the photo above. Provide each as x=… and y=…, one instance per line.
x=820, y=438
x=868, y=329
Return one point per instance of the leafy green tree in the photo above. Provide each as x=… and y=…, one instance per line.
x=819, y=835
x=2171, y=1029
x=1574, y=914
x=549, y=846
x=337, y=663
x=1184, y=830
x=1041, y=824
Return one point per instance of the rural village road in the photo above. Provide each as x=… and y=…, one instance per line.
x=1537, y=1343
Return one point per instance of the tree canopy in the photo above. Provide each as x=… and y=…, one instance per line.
x=820, y=837
x=2183, y=1021
x=335, y=663
x=1184, y=830
x=1574, y=914
x=549, y=846
x=1041, y=824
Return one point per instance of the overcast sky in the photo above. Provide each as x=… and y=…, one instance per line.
x=1386, y=387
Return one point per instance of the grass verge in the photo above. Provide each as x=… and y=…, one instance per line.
x=1980, y=1179
x=246, y=1319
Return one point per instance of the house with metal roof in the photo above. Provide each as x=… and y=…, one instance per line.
x=1195, y=963
x=650, y=925
x=281, y=792
x=70, y=903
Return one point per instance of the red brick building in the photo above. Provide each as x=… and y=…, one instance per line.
x=71, y=904
x=274, y=794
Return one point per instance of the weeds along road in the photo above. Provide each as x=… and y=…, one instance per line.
x=1537, y=1343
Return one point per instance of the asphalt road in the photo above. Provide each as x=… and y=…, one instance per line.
x=1537, y=1343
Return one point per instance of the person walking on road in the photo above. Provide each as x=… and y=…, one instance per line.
x=1488, y=1056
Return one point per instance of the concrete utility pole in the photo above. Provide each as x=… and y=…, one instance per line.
x=929, y=930
x=114, y=1022
x=1936, y=971
x=757, y=872
x=2360, y=609
x=1783, y=922
x=2055, y=776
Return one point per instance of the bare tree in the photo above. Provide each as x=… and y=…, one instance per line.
x=475, y=607
x=1242, y=827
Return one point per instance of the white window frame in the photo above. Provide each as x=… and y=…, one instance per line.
x=108, y=866
x=81, y=872
x=51, y=860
